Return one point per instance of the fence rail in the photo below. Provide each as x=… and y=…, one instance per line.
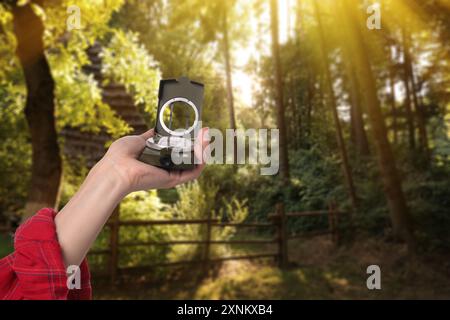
x=276, y=221
x=5, y=229
x=164, y=222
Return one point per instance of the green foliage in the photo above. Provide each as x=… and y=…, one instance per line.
x=147, y=206
x=172, y=33
x=94, y=18
x=429, y=194
x=15, y=159
x=441, y=138
x=75, y=172
x=79, y=104
x=194, y=203
x=78, y=96
x=15, y=152
x=306, y=191
x=126, y=61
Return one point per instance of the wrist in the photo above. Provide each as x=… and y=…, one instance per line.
x=106, y=173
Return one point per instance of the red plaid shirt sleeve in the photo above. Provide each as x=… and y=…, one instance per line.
x=35, y=270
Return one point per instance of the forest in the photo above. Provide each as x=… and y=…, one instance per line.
x=358, y=89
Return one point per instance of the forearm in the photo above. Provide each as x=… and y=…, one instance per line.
x=80, y=221
x=117, y=174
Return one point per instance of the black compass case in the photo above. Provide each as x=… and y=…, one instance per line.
x=158, y=150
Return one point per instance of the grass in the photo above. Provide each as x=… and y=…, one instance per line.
x=265, y=282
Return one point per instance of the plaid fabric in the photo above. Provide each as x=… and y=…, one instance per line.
x=35, y=270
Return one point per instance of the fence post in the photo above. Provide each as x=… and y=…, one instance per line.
x=114, y=244
x=282, y=236
x=207, y=241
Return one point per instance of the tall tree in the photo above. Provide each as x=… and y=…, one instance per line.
x=46, y=166
x=50, y=74
x=399, y=213
x=216, y=18
x=279, y=99
x=408, y=103
x=410, y=82
x=228, y=73
x=300, y=40
x=357, y=130
x=392, y=95
x=332, y=101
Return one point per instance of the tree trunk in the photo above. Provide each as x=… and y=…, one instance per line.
x=358, y=132
x=399, y=212
x=309, y=104
x=230, y=96
x=393, y=102
x=297, y=119
x=46, y=167
x=281, y=123
x=305, y=133
x=409, y=77
x=332, y=98
x=408, y=105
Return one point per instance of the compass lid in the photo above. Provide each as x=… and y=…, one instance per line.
x=182, y=91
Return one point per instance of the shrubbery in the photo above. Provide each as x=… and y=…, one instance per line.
x=194, y=202
x=316, y=178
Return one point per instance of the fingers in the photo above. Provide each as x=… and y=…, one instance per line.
x=148, y=134
x=178, y=177
x=135, y=144
x=201, y=143
x=189, y=175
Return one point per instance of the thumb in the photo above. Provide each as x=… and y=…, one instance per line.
x=147, y=134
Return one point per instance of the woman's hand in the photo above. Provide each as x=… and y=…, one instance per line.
x=136, y=175
x=113, y=177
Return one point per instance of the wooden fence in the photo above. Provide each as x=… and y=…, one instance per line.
x=5, y=229
x=276, y=221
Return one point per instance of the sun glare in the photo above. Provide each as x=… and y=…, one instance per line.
x=243, y=82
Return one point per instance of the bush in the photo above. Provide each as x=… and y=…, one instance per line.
x=194, y=203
